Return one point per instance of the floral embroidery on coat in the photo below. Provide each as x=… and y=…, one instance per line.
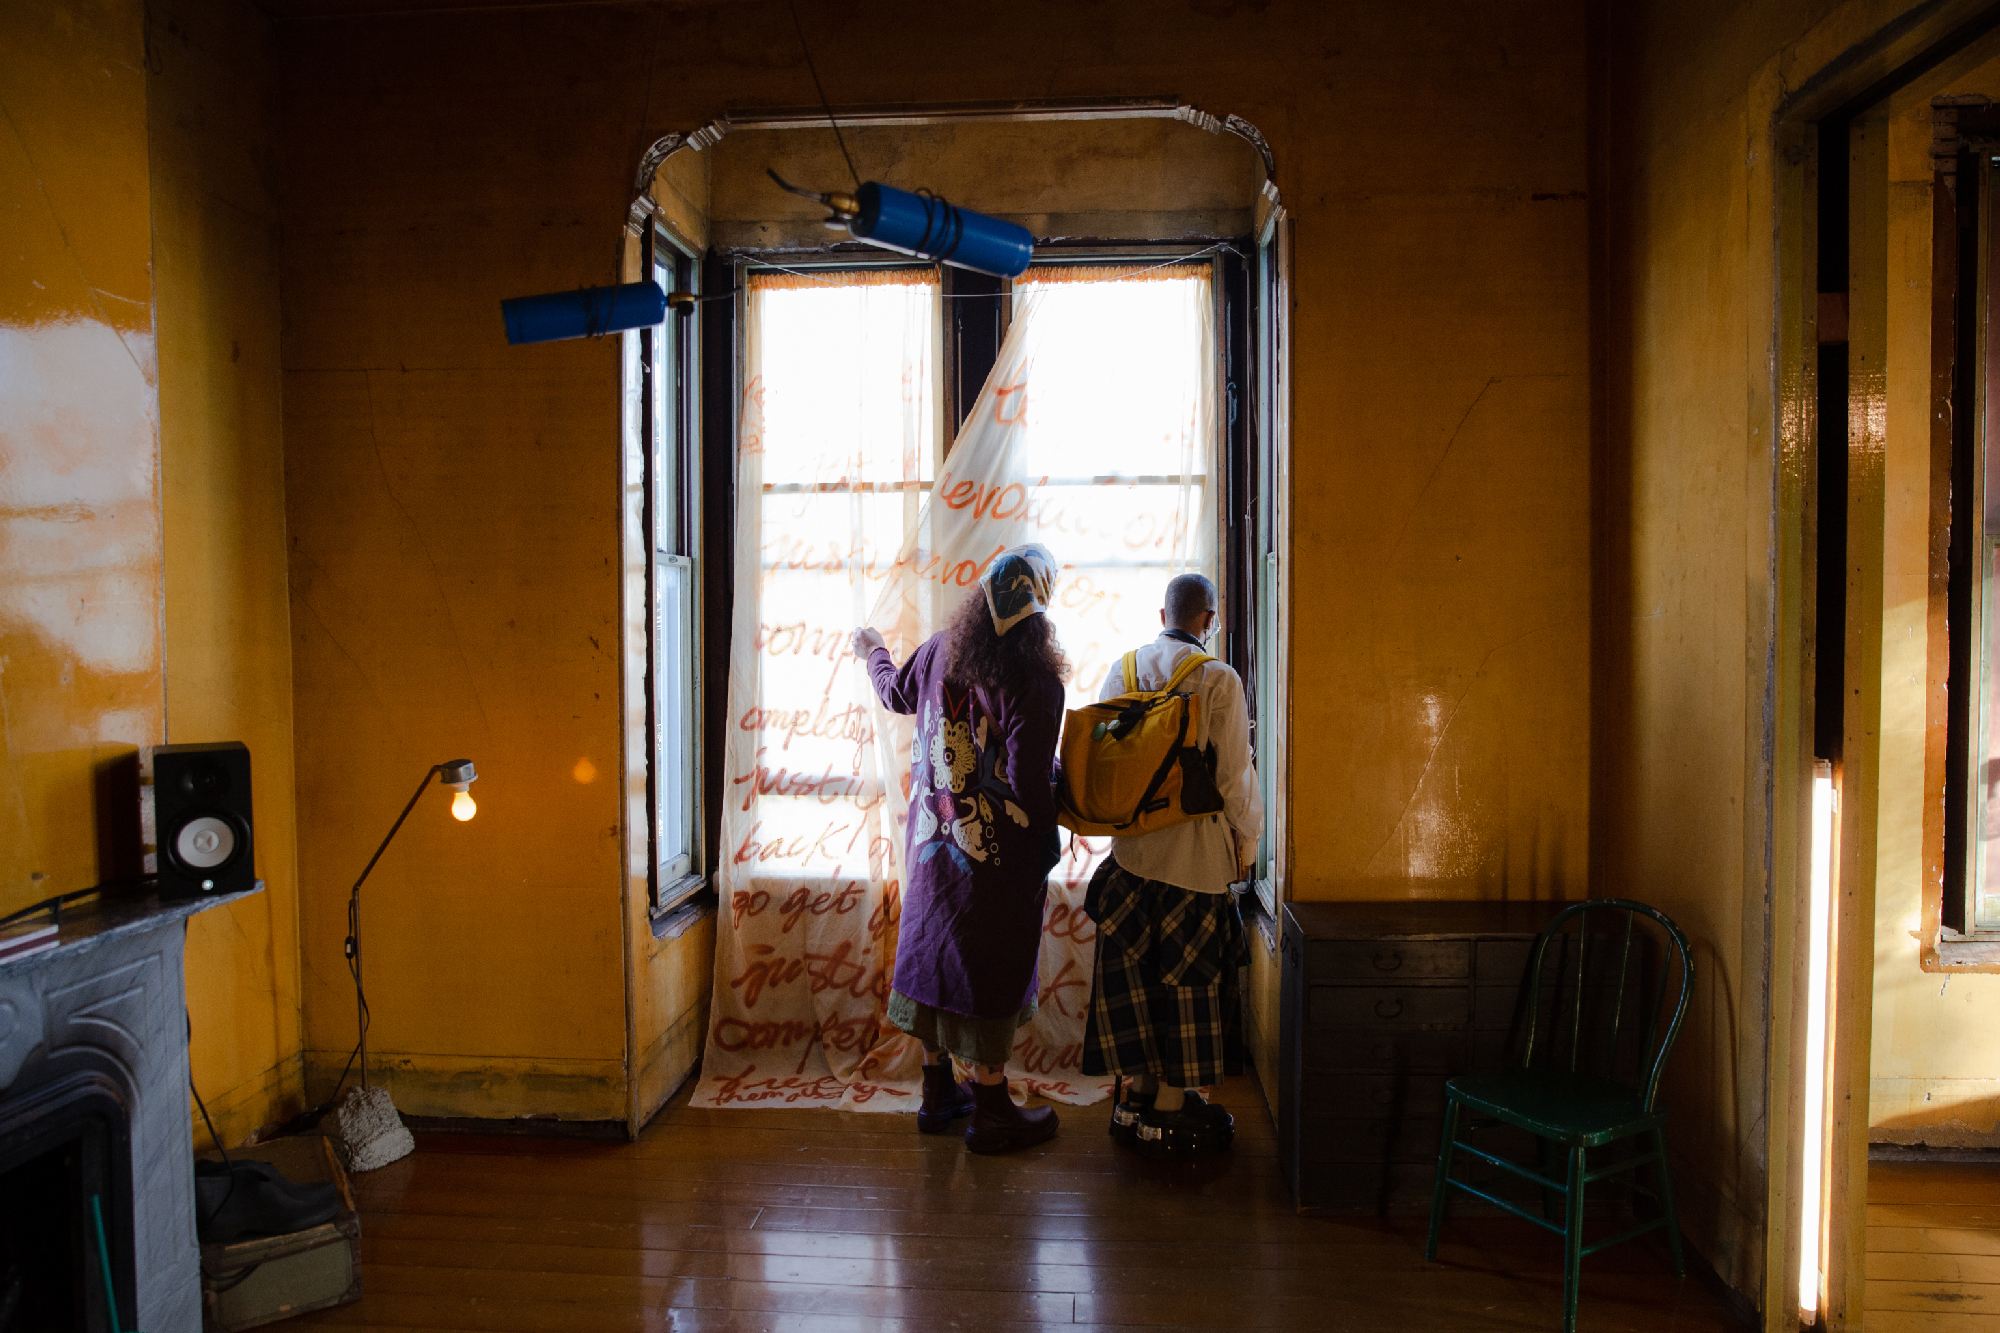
x=960, y=783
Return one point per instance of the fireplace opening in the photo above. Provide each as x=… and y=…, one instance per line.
x=63, y=1141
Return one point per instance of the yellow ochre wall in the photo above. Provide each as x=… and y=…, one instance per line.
x=453, y=513
x=227, y=621
x=80, y=556
x=453, y=501
x=141, y=490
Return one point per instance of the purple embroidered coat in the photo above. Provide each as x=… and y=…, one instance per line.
x=982, y=834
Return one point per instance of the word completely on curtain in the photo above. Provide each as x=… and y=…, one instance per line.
x=1093, y=435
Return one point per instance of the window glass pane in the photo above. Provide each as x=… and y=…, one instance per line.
x=673, y=700
x=842, y=403
x=849, y=447
x=1124, y=429
x=665, y=350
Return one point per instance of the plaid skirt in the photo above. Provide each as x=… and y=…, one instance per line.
x=1166, y=999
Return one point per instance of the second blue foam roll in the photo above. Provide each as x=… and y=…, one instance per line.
x=919, y=225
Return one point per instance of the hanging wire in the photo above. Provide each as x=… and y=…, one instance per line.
x=821, y=89
x=214, y=1137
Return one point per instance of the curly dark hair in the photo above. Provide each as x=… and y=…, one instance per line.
x=975, y=655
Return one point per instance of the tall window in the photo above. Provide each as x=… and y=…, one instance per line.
x=673, y=521
x=1097, y=437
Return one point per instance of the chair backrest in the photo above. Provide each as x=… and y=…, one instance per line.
x=1611, y=987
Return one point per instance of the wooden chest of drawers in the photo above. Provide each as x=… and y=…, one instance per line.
x=1381, y=1003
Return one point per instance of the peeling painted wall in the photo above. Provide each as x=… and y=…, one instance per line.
x=80, y=554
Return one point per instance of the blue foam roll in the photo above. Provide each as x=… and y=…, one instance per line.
x=916, y=225
x=585, y=313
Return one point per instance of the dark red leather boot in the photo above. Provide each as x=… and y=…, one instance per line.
x=1000, y=1126
x=945, y=1099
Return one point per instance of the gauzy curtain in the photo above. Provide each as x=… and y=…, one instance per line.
x=1094, y=436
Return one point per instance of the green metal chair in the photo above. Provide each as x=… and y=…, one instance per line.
x=1596, y=1084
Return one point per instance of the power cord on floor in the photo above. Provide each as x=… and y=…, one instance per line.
x=237, y=1279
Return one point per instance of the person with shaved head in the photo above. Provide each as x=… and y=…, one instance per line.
x=1166, y=1003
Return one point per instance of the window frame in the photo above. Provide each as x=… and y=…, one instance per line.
x=673, y=352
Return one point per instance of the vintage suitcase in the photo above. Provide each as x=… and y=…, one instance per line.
x=252, y=1282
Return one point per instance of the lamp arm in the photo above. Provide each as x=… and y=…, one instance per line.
x=429, y=773
x=353, y=942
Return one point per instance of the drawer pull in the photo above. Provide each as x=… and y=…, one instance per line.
x=1388, y=1008
x=1388, y=962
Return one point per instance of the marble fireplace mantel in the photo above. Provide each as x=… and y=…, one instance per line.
x=112, y=990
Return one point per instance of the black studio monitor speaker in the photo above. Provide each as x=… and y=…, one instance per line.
x=201, y=819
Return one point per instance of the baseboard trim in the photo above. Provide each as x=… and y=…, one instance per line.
x=528, y=1127
x=1940, y=1154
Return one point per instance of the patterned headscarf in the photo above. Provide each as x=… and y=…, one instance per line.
x=1018, y=583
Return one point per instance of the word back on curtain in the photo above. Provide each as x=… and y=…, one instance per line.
x=1092, y=439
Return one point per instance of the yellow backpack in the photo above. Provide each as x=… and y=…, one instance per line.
x=1127, y=765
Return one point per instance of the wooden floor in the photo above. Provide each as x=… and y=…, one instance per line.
x=1933, y=1248
x=810, y=1221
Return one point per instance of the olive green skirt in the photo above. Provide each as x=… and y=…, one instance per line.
x=977, y=1041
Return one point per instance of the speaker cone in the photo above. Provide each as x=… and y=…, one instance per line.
x=204, y=843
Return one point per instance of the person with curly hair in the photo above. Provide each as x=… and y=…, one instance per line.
x=987, y=693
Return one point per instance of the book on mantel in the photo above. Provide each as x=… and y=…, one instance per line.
x=26, y=937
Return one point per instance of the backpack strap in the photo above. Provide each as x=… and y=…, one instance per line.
x=1132, y=672
x=1160, y=775
x=1188, y=664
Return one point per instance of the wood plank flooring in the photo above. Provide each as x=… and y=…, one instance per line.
x=1933, y=1248
x=809, y=1221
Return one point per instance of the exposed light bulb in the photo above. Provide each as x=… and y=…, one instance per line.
x=463, y=807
